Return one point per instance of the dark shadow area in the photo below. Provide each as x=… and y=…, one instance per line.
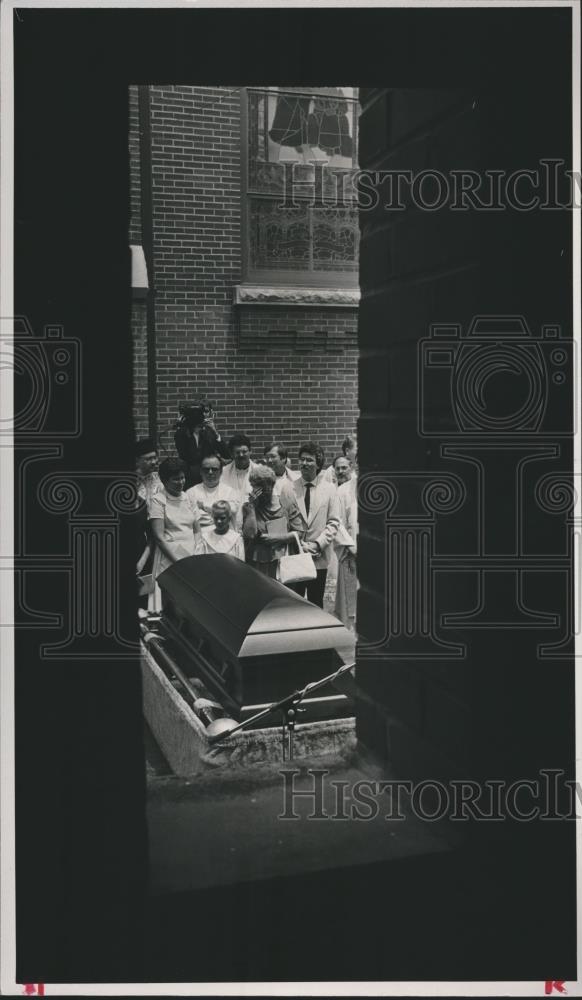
x=504, y=906
x=462, y=916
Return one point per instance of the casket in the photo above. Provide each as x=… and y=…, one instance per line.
x=249, y=639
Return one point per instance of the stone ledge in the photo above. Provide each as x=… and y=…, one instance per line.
x=266, y=295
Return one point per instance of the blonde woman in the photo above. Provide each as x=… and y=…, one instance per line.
x=268, y=522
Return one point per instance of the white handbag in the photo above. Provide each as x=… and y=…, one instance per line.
x=296, y=568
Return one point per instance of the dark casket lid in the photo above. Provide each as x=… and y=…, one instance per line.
x=247, y=613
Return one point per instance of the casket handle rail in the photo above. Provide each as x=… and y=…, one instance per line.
x=223, y=729
x=208, y=711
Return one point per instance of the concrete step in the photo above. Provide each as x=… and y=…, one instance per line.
x=226, y=829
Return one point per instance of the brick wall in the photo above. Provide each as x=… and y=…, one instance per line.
x=140, y=376
x=430, y=712
x=138, y=308
x=413, y=265
x=276, y=373
x=134, y=168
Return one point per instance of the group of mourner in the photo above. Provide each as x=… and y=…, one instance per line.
x=214, y=497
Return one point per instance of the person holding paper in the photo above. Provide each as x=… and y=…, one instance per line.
x=269, y=521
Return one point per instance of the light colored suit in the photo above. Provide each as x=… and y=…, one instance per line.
x=324, y=516
x=285, y=482
x=347, y=581
x=238, y=480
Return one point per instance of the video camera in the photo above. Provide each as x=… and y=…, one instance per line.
x=194, y=414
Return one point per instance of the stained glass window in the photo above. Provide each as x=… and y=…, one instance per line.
x=301, y=153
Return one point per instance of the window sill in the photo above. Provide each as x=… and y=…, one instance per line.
x=267, y=295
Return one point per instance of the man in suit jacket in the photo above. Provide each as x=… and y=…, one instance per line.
x=276, y=457
x=318, y=505
x=196, y=437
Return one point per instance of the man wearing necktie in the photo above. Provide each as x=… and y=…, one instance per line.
x=318, y=505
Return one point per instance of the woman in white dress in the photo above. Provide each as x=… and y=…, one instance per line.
x=174, y=520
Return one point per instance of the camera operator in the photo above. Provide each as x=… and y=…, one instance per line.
x=196, y=437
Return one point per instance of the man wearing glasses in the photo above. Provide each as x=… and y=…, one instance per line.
x=212, y=489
